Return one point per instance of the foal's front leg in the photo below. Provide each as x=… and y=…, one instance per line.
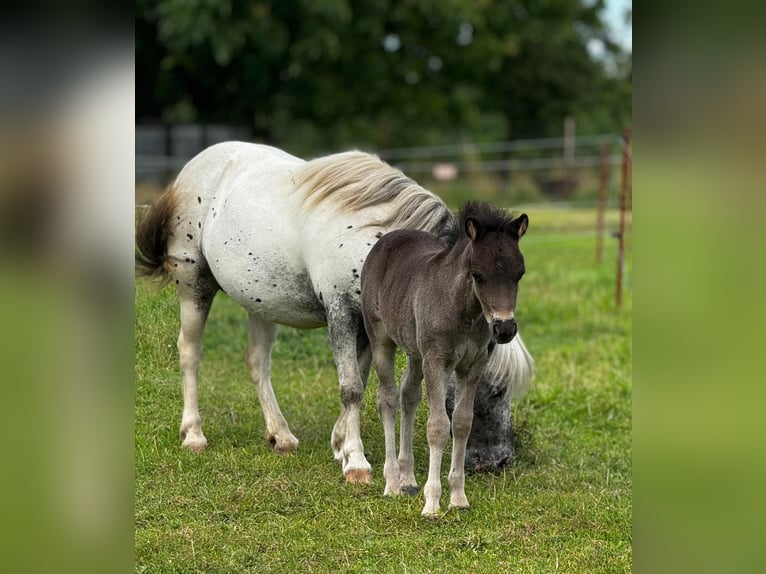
x=436, y=374
x=384, y=355
x=462, y=420
x=411, y=393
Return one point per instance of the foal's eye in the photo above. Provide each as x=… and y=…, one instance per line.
x=476, y=277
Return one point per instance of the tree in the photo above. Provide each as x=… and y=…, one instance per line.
x=377, y=73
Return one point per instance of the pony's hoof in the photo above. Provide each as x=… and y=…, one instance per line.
x=358, y=476
x=410, y=490
x=283, y=445
x=194, y=444
x=460, y=508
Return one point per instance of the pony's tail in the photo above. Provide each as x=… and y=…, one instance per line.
x=152, y=237
x=512, y=365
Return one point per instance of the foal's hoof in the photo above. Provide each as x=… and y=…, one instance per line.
x=358, y=476
x=410, y=490
x=460, y=508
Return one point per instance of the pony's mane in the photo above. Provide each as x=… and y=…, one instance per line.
x=354, y=180
x=489, y=217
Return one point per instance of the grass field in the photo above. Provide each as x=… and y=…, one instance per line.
x=565, y=504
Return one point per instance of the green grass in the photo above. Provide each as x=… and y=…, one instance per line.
x=563, y=505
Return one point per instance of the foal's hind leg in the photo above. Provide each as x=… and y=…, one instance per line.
x=194, y=311
x=261, y=336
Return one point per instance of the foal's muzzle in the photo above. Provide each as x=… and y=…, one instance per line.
x=504, y=330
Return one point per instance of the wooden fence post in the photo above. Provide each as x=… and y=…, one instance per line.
x=626, y=159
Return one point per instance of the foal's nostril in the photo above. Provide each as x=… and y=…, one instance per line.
x=513, y=328
x=504, y=331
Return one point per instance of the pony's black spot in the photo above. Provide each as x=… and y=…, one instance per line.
x=190, y=236
x=353, y=271
x=250, y=253
x=188, y=260
x=358, y=292
x=175, y=264
x=349, y=227
x=379, y=234
x=199, y=224
x=199, y=199
x=225, y=242
x=341, y=245
x=368, y=244
x=320, y=297
x=176, y=281
x=334, y=286
x=248, y=271
x=191, y=261
x=273, y=284
x=257, y=300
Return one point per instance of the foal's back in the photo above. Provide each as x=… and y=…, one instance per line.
x=400, y=286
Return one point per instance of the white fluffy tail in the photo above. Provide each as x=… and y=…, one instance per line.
x=511, y=365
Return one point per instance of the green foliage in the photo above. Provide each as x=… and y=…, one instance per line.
x=564, y=504
x=318, y=75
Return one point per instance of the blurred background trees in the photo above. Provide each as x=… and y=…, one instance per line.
x=314, y=76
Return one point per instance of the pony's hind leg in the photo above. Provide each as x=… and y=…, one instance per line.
x=411, y=394
x=194, y=310
x=261, y=336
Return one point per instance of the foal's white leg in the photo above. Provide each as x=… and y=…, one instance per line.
x=384, y=356
x=411, y=393
x=193, y=317
x=462, y=419
x=261, y=336
x=346, y=436
x=438, y=432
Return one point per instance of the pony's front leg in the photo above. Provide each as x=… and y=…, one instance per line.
x=462, y=419
x=346, y=437
x=261, y=336
x=436, y=374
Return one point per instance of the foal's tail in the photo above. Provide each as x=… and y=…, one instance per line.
x=152, y=237
x=511, y=365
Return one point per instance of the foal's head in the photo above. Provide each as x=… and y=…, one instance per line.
x=495, y=264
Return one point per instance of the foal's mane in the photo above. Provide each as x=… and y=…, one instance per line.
x=354, y=180
x=489, y=218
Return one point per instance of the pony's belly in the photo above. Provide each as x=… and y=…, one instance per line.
x=278, y=301
x=268, y=287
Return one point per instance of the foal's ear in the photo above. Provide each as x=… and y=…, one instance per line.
x=520, y=225
x=472, y=228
